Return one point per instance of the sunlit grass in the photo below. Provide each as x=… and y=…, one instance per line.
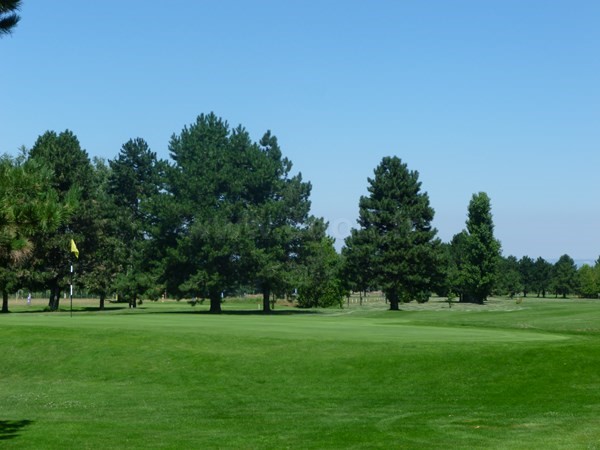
x=168, y=375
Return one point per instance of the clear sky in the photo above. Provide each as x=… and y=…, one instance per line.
x=501, y=96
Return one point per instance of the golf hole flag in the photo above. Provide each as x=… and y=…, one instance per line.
x=74, y=249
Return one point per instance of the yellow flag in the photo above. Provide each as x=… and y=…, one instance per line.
x=74, y=249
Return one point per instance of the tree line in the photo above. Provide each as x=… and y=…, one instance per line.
x=226, y=215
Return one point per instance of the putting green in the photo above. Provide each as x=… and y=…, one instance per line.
x=290, y=326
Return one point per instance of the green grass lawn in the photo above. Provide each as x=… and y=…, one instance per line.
x=168, y=375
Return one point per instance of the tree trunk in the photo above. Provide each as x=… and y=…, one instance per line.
x=266, y=301
x=51, y=301
x=393, y=298
x=215, y=304
x=102, y=297
x=54, y=301
x=4, y=301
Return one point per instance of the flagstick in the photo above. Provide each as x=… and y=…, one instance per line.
x=71, y=285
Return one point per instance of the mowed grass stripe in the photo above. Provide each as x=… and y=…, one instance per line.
x=318, y=327
x=372, y=380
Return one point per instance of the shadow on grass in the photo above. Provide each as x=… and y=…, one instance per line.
x=240, y=312
x=9, y=429
x=144, y=310
x=97, y=308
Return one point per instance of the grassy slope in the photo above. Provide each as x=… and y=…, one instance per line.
x=501, y=376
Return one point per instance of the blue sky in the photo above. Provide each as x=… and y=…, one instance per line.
x=501, y=96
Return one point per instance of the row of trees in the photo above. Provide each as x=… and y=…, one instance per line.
x=226, y=215
x=539, y=277
x=395, y=249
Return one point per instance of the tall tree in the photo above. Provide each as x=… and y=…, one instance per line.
x=108, y=262
x=542, y=276
x=527, y=271
x=482, y=251
x=28, y=205
x=357, y=260
x=72, y=172
x=588, y=281
x=397, y=217
x=136, y=178
x=457, y=258
x=509, y=280
x=564, y=276
x=319, y=275
x=8, y=15
x=207, y=183
x=280, y=207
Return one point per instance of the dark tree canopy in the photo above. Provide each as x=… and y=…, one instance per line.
x=241, y=216
x=564, y=279
x=8, y=15
x=135, y=180
x=481, y=252
x=395, y=221
x=28, y=205
x=72, y=176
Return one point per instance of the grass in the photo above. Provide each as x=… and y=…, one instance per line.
x=503, y=375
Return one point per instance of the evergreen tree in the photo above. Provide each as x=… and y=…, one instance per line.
x=72, y=175
x=542, y=276
x=482, y=252
x=136, y=178
x=588, y=281
x=357, y=261
x=527, y=273
x=213, y=226
x=564, y=276
x=28, y=205
x=8, y=15
x=319, y=281
x=280, y=207
x=397, y=217
x=456, y=255
x=108, y=261
x=241, y=215
x=509, y=281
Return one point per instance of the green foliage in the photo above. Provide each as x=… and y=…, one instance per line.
x=509, y=281
x=564, y=276
x=395, y=221
x=72, y=175
x=477, y=272
x=28, y=205
x=588, y=281
x=320, y=285
x=134, y=184
x=280, y=208
x=527, y=273
x=8, y=15
x=208, y=183
x=542, y=276
x=239, y=218
x=357, y=266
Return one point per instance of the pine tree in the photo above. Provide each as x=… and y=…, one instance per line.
x=396, y=218
x=8, y=15
x=481, y=252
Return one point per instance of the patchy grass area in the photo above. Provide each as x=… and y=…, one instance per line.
x=168, y=375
